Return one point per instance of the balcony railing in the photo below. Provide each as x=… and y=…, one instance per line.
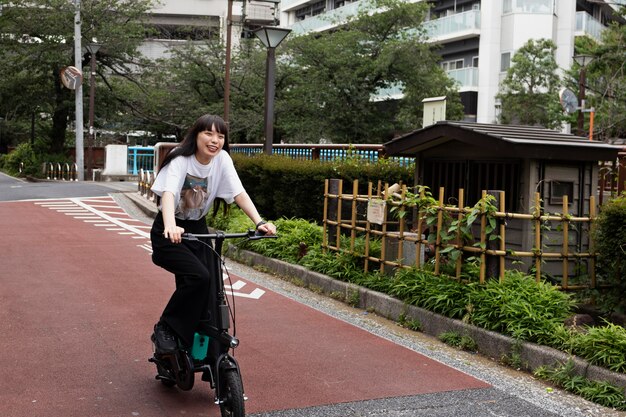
x=588, y=25
x=465, y=77
x=457, y=25
x=328, y=19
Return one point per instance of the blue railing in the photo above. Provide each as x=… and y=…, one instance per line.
x=140, y=157
x=322, y=152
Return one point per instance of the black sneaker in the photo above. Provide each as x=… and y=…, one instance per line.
x=164, y=339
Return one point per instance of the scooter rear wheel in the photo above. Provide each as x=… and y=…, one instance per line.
x=232, y=394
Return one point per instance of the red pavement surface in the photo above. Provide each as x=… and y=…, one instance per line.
x=77, y=306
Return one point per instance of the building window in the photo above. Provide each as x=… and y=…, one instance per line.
x=505, y=61
x=558, y=189
x=452, y=65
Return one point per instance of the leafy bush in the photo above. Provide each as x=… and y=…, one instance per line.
x=602, y=393
x=291, y=188
x=33, y=158
x=603, y=346
x=440, y=294
x=610, y=244
x=520, y=307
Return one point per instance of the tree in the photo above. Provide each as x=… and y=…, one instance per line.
x=172, y=92
x=38, y=41
x=331, y=79
x=605, y=87
x=529, y=94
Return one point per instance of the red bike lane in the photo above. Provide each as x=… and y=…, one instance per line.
x=79, y=296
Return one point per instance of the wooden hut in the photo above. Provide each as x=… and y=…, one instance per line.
x=520, y=160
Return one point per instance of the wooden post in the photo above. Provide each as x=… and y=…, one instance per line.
x=439, y=226
x=459, y=241
x=355, y=191
x=538, y=250
x=502, y=237
x=419, y=244
x=384, y=234
x=339, y=203
x=565, y=224
x=367, y=231
x=334, y=189
x=592, y=259
x=325, y=220
x=493, y=261
x=402, y=212
x=483, y=239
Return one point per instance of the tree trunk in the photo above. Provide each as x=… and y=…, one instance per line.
x=60, y=116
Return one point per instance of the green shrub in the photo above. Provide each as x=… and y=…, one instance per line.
x=604, y=346
x=460, y=342
x=297, y=236
x=610, y=244
x=520, y=307
x=291, y=188
x=33, y=158
x=602, y=393
x=440, y=294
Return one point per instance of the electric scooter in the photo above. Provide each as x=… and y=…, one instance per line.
x=212, y=344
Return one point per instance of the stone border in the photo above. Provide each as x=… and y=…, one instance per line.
x=491, y=344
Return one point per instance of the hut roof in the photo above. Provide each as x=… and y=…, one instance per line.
x=509, y=141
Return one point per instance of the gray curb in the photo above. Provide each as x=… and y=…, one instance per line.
x=494, y=345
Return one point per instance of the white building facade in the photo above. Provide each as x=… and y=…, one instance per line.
x=478, y=37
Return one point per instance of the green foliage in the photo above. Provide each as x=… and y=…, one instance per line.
x=332, y=76
x=229, y=218
x=603, y=393
x=297, y=236
x=610, y=244
x=38, y=41
x=440, y=294
x=520, y=307
x=460, y=342
x=32, y=158
x=453, y=231
x=529, y=92
x=285, y=187
x=604, y=346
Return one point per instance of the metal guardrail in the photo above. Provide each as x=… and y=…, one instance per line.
x=146, y=179
x=57, y=171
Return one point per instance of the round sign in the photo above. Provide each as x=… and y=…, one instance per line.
x=71, y=77
x=568, y=99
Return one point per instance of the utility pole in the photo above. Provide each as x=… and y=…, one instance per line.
x=229, y=30
x=78, y=63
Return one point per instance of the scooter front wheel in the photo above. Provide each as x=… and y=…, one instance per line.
x=232, y=404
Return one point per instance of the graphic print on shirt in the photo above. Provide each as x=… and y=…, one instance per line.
x=193, y=198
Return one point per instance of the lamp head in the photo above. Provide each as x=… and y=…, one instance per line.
x=271, y=36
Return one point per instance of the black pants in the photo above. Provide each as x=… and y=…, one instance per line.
x=191, y=263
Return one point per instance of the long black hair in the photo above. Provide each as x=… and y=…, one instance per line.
x=189, y=145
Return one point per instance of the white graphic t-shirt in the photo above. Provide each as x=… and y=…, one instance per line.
x=195, y=186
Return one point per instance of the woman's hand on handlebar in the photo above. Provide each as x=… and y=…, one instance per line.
x=267, y=229
x=173, y=233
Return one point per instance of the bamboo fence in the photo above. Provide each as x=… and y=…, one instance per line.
x=354, y=226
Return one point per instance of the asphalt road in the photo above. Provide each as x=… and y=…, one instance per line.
x=78, y=296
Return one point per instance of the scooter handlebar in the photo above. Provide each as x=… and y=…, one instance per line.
x=250, y=235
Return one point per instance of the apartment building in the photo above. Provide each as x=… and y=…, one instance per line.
x=176, y=21
x=478, y=37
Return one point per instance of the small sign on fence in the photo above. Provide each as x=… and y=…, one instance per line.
x=376, y=211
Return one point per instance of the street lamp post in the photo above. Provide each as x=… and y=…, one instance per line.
x=93, y=49
x=582, y=61
x=271, y=37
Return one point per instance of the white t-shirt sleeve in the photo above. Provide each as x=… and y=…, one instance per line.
x=171, y=177
x=230, y=185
